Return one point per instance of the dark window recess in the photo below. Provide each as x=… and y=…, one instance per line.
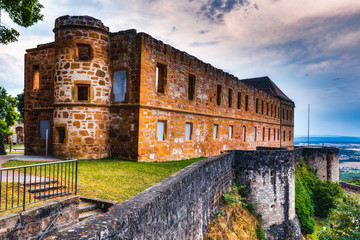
x=239, y=100
x=269, y=134
x=191, y=87
x=218, y=95
x=284, y=137
x=84, y=52
x=246, y=102
x=60, y=135
x=83, y=92
x=230, y=97
x=160, y=78
x=257, y=106
x=263, y=134
x=35, y=77
x=262, y=107
x=267, y=108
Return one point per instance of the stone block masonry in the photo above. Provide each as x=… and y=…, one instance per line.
x=181, y=206
x=128, y=95
x=32, y=223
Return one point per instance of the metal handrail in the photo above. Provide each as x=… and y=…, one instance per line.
x=38, y=182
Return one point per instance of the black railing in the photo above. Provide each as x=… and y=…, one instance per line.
x=24, y=185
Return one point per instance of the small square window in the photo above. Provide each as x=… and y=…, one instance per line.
x=83, y=92
x=161, y=130
x=216, y=131
x=230, y=132
x=84, y=51
x=160, y=78
x=188, y=131
x=60, y=135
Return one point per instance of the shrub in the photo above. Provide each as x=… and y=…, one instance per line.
x=326, y=196
x=303, y=207
x=2, y=147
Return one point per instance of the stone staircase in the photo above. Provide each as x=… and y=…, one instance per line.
x=46, y=189
x=88, y=209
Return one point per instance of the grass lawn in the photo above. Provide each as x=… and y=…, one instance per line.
x=320, y=223
x=115, y=179
x=14, y=151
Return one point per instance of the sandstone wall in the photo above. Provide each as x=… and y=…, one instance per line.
x=86, y=122
x=38, y=101
x=269, y=176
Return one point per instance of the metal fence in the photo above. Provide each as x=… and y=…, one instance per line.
x=24, y=185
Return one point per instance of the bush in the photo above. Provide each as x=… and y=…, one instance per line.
x=326, y=196
x=303, y=207
x=2, y=147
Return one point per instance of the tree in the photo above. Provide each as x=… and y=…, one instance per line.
x=20, y=106
x=23, y=12
x=8, y=114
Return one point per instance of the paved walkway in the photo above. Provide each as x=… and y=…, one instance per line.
x=10, y=176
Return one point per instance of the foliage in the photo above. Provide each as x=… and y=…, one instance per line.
x=20, y=106
x=345, y=219
x=313, y=197
x=326, y=196
x=355, y=181
x=2, y=147
x=234, y=220
x=232, y=197
x=8, y=114
x=24, y=13
x=303, y=207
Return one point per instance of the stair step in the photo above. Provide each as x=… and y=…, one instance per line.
x=86, y=207
x=41, y=183
x=89, y=214
x=50, y=194
x=45, y=188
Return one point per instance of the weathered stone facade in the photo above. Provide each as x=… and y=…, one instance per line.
x=77, y=94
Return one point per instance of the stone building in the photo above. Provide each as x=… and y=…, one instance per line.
x=128, y=95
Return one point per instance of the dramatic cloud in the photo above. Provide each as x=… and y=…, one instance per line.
x=309, y=48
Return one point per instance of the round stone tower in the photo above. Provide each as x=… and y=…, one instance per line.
x=82, y=88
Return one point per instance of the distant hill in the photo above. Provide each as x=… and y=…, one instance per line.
x=327, y=139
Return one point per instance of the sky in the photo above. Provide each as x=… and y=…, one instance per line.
x=309, y=48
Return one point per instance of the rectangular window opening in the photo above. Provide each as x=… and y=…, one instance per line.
x=255, y=133
x=278, y=135
x=272, y=110
x=257, y=106
x=191, y=87
x=284, y=137
x=218, y=95
x=44, y=125
x=289, y=135
x=119, y=86
x=246, y=102
x=230, y=98
x=35, y=77
x=263, y=135
x=60, y=135
x=269, y=134
x=83, y=92
x=84, y=51
x=244, y=134
x=161, y=130
x=230, y=132
x=262, y=107
x=216, y=131
x=188, y=131
x=274, y=134
x=239, y=100
x=160, y=78
x=267, y=109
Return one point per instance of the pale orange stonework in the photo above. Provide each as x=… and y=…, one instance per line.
x=76, y=95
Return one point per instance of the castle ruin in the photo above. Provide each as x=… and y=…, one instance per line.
x=128, y=95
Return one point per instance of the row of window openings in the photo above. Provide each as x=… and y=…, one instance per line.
x=162, y=132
